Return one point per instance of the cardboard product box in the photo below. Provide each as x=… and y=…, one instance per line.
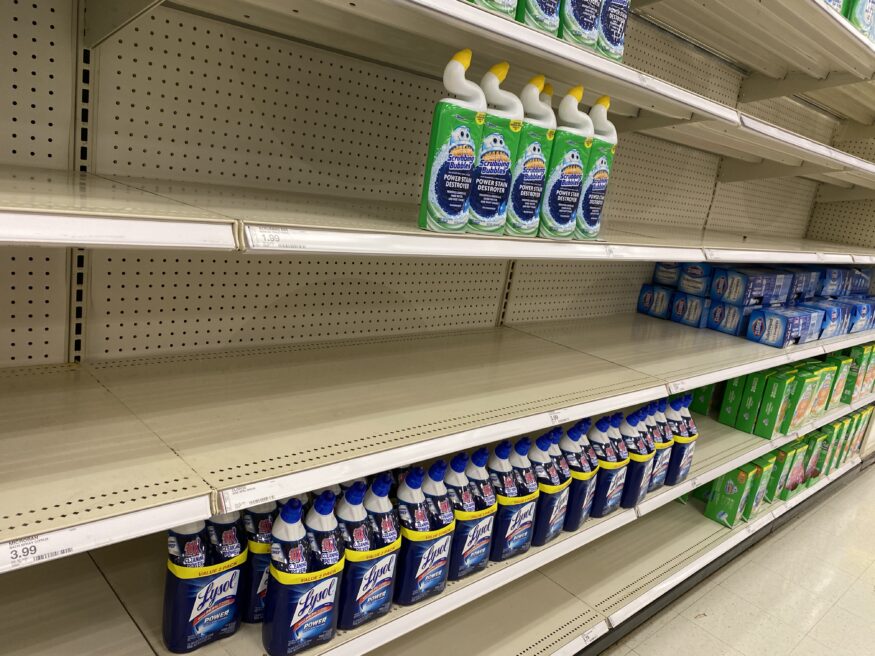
x=796, y=476
x=782, y=327
x=666, y=274
x=800, y=401
x=827, y=374
x=823, y=449
x=869, y=379
x=783, y=461
x=703, y=492
x=857, y=375
x=760, y=483
x=729, y=319
x=655, y=301
x=695, y=279
x=750, y=286
x=842, y=455
x=729, y=498
x=859, y=314
x=833, y=281
x=815, y=442
x=732, y=395
x=834, y=434
x=843, y=368
x=690, y=310
x=752, y=397
x=835, y=317
x=865, y=420
x=706, y=399
x=776, y=398
x=804, y=283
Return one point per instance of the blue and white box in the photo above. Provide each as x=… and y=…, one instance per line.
x=750, y=286
x=836, y=317
x=667, y=274
x=655, y=301
x=695, y=279
x=780, y=327
x=803, y=287
x=859, y=313
x=690, y=310
x=729, y=319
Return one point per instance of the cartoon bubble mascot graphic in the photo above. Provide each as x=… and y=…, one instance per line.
x=451, y=181
x=563, y=195
x=491, y=182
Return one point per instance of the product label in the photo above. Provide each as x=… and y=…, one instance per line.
x=557, y=513
x=543, y=15
x=431, y=569
x=615, y=489
x=225, y=540
x=490, y=186
x=660, y=468
x=612, y=27
x=507, y=7
x=562, y=191
x=367, y=584
x=595, y=189
x=453, y=151
x=580, y=21
x=518, y=535
x=529, y=174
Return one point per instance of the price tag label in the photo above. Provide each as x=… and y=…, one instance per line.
x=273, y=238
x=559, y=417
x=238, y=498
x=32, y=550
x=589, y=636
x=679, y=386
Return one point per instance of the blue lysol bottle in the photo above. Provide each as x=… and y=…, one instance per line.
x=475, y=517
x=369, y=576
x=435, y=491
x=556, y=454
x=681, y=423
x=641, y=451
x=200, y=596
x=664, y=441
x=583, y=475
x=553, y=486
x=258, y=524
x=610, y=449
x=300, y=609
x=516, y=491
x=423, y=563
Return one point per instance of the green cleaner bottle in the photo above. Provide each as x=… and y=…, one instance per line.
x=578, y=22
x=565, y=172
x=543, y=15
x=598, y=171
x=861, y=14
x=490, y=186
x=452, y=150
x=533, y=153
x=504, y=7
x=613, y=16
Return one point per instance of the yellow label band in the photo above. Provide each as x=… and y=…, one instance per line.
x=642, y=458
x=516, y=501
x=553, y=489
x=465, y=516
x=664, y=445
x=685, y=440
x=310, y=577
x=358, y=556
x=604, y=464
x=181, y=572
x=423, y=536
x=259, y=547
x=583, y=476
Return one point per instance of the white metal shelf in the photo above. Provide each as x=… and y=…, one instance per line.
x=46, y=207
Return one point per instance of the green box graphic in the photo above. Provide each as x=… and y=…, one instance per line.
x=730, y=495
x=754, y=388
x=827, y=373
x=704, y=398
x=759, y=485
x=813, y=456
x=731, y=401
x=857, y=376
x=779, y=388
x=843, y=364
x=796, y=475
x=800, y=401
x=834, y=435
x=783, y=461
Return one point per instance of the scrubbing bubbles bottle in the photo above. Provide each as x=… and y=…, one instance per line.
x=533, y=154
x=613, y=17
x=490, y=186
x=568, y=159
x=503, y=7
x=578, y=22
x=452, y=151
x=598, y=172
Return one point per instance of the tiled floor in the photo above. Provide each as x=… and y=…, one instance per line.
x=806, y=590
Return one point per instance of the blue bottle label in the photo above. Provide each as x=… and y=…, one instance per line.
x=580, y=21
x=612, y=27
x=252, y=596
x=491, y=180
x=423, y=563
x=440, y=507
x=384, y=527
x=519, y=521
x=527, y=188
x=595, y=189
x=325, y=547
x=225, y=540
x=615, y=489
x=187, y=550
x=660, y=468
x=368, y=580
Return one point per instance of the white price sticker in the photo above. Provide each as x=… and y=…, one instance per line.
x=273, y=238
x=558, y=417
x=35, y=549
x=589, y=636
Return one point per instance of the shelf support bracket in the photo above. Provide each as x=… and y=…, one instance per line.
x=762, y=87
x=736, y=170
x=103, y=18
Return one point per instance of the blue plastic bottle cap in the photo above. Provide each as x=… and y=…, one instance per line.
x=574, y=433
x=556, y=435
x=632, y=419
x=548, y=435
x=662, y=405
x=382, y=484
x=617, y=420
x=356, y=493
x=523, y=445
x=459, y=462
x=437, y=470
x=688, y=399
x=291, y=511
x=324, y=503
x=676, y=404
x=502, y=449
x=414, y=478
x=543, y=443
x=651, y=408
x=603, y=424
x=587, y=424
x=480, y=457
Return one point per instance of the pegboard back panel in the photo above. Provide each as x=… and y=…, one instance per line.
x=155, y=303
x=848, y=222
x=548, y=291
x=794, y=115
x=34, y=297
x=655, y=182
x=774, y=207
x=36, y=75
x=190, y=98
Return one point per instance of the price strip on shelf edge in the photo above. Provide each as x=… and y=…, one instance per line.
x=273, y=238
x=558, y=417
x=38, y=548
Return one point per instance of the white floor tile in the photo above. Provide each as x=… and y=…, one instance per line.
x=844, y=633
x=617, y=650
x=860, y=599
x=653, y=626
x=811, y=647
x=681, y=637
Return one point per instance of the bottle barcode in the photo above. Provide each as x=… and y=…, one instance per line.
x=52, y=554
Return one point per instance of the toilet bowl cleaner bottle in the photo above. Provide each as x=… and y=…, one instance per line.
x=553, y=487
x=478, y=476
x=640, y=461
x=556, y=454
x=643, y=429
x=516, y=491
x=687, y=416
x=613, y=17
x=300, y=609
x=503, y=7
x=474, y=520
x=598, y=172
x=533, y=154
x=439, y=504
x=423, y=563
x=568, y=160
x=345, y=485
x=664, y=443
x=578, y=22
x=490, y=184
x=684, y=444
x=200, y=595
x=369, y=574
x=258, y=524
x=543, y=15
x=583, y=473
x=456, y=130
x=610, y=448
